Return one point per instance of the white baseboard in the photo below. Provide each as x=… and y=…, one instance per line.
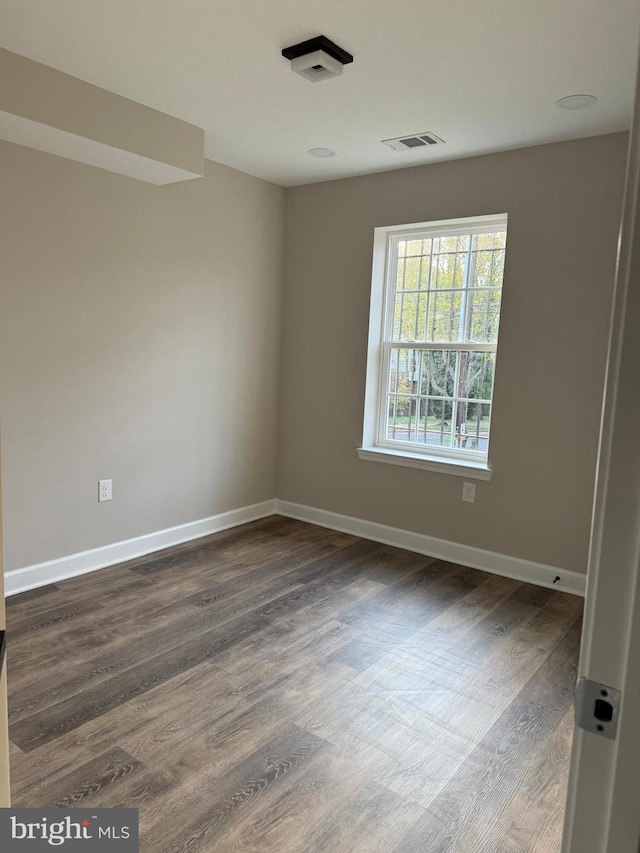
x=466, y=555
x=41, y=574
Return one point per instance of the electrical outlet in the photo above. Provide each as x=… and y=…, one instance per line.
x=105, y=492
x=469, y=492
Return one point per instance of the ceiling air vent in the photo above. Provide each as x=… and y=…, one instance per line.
x=417, y=140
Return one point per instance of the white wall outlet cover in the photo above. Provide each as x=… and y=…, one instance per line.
x=105, y=490
x=469, y=492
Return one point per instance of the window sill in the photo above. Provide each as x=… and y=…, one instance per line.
x=456, y=467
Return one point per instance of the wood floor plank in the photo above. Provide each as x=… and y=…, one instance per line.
x=283, y=687
x=225, y=736
x=397, y=612
x=86, y=783
x=49, y=723
x=183, y=701
x=495, y=770
x=193, y=560
x=149, y=595
x=235, y=540
x=166, y=629
x=533, y=819
x=537, y=596
x=456, y=621
x=36, y=628
x=236, y=791
x=24, y=603
x=334, y=804
x=370, y=820
x=237, y=556
x=458, y=710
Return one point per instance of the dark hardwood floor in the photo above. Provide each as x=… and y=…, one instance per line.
x=282, y=687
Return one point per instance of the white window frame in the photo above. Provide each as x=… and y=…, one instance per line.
x=464, y=463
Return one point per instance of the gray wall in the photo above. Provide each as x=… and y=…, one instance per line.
x=564, y=203
x=140, y=336
x=139, y=340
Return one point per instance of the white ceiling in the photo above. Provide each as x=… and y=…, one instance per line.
x=482, y=74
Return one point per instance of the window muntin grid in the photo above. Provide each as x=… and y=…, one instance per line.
x=440, y=334
x=449, y=291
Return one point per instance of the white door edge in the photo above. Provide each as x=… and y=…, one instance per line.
x=602, y=814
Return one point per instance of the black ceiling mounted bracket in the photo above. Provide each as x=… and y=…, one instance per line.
x=318, y=43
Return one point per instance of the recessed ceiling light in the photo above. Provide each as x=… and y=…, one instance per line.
x=576, y=102
x=321, y=152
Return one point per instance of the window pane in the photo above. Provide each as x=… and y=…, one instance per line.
x=481, y=269
x=435, y=424
x=498, y=269
x=473, y=426
x=483, y=315
x=414, y=247
x=476, y=375
x=433, y=392
x=414, y=259
x=487, y=268
x=410, y=315
x=404, y=369
x=443, y=320
x=437, y=378
x=492, y=240
x=435, y=398
x=401, y=418
x=484, y=241
x=451, y=244
x=449, y=264
x=448, y=268
x=412, y=273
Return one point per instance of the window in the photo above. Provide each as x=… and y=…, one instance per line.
x=433, y=332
